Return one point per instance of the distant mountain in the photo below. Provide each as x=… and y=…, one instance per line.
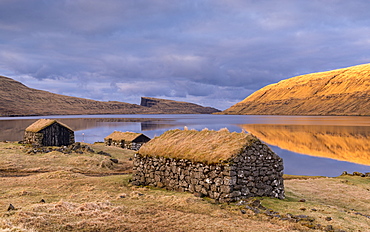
x=169, y=106
x=339, y=92
x=17, y=99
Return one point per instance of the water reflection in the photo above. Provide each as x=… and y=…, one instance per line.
x=13, y=130
x=330, y=144
x=345, y=143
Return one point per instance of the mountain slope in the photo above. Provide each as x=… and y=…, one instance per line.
x=17, y=99
x=339, y=92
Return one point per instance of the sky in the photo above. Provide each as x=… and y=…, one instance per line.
x=210, y=52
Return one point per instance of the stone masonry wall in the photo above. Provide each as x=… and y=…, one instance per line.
x=258, y=171
x=33, y=138
x=123, y=144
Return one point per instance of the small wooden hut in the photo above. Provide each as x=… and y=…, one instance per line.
x=47, y=132
x=128, y=140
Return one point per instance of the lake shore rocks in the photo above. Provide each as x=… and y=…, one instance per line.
x=366, y=174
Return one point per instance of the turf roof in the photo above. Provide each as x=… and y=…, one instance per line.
x=127, y=136
x=205, y=146
x=42, y=124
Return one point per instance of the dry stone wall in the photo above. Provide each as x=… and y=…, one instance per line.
x=122, y=144
x=33, y=138
x=257, y=171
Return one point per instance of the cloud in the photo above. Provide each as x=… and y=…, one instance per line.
x=213, y=52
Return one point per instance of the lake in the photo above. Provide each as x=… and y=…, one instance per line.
x=309, y=145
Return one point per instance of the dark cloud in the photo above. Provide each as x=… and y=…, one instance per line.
x=209, y=52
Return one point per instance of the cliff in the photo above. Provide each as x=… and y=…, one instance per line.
x=339, y=92
x=175, y=107
x=19, y=100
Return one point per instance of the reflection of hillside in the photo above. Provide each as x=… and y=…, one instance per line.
x=336, y=142
x=147, y=126
x=78, y=124
x=13, y=130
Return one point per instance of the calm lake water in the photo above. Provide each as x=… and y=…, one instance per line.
x=309, y=145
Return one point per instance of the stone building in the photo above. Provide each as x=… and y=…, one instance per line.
x=128, y=140
x=47, y=132
x=221, y=165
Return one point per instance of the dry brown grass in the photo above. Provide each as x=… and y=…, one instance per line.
x=343, y=199
x=14, y=160
x=200, y=146
x=74, y=202
x=78, y=202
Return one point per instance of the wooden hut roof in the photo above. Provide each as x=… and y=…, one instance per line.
x=42, y=124
x=205, y=146
x=127, y=136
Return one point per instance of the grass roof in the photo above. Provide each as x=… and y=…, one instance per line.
x=42, y=124
x=127, y=136
x=205, y=146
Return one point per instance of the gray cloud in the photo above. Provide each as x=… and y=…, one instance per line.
x=209, y=52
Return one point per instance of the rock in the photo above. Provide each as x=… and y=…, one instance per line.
x=302, y=200
x=75, y=146
x=242, y=202
x=114, y=161
x=329, y=228
x=256, y=211
x=11, y=207
x=42, y=201
x=243, y=211
x=328, y=218
x=268, y=212
x=357, y=174
x=198, y=194
x=104, y=153
x=256, y=203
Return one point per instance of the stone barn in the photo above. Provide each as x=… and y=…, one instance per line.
x=221, y=165
x=129, y=140
x=47, y=132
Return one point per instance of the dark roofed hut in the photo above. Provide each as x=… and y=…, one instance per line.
x=128, y=140
x=47, y=132
x=219, y=164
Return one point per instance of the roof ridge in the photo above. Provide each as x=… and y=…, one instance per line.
x=43, y=123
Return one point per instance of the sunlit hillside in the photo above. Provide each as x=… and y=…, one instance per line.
x=339, y=92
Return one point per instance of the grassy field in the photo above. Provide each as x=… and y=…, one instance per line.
x=54, y=191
